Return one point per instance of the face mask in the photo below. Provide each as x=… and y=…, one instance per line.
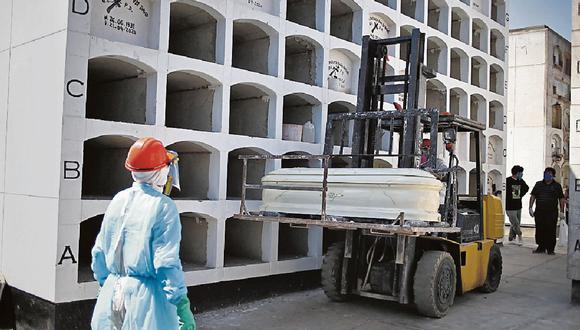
x=548, y=176
x=519, y=175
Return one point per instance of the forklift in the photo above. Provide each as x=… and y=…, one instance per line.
x=407, y=261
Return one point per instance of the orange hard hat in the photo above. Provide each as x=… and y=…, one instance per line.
x=147, y=154
x=426, y=143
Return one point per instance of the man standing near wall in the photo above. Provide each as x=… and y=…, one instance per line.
x=516, y=188
x=547, y=193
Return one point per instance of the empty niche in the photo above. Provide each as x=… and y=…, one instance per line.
x=89, y=229
x=342, y=71
x=438, y=15
x=243, y=242
x=496, y=116
x=302, y=12
x=251, y=48
x=304, y=163
x=497, y=43
x=436, y=95
x=473, y=182
x=461, y=181
x=192, y=32
x=460, y=25
x=459, y=65
x=345, y=20
x=298, y=110
x=301, y=62
x=414, y=9
x=479, y=35
x=194, y=170
x=256, y=170
x=458, y=102
x=496, y=79
x=437, y=55
x=478, y=72
x=292, y=242
x=389, y=3
x=117, y=91
x=477, y=108
x=193, y=245
x=189, y=102
x=249, y=111
x=406, y=31
x=498, y=11
x=472, y=148
x=104, y=173
x=342, y=133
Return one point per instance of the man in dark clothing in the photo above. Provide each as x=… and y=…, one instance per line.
x=547, y=194
x=516, y=188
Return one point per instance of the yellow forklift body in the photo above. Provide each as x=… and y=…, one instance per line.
x=474, y=262
x=493, y=217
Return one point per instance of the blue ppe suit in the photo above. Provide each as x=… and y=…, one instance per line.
x=139, y=237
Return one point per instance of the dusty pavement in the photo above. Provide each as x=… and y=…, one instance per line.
x=534, y=294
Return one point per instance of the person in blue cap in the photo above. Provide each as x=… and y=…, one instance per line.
x=135, y=258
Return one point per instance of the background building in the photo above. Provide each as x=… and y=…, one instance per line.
x=538, y=124
x=81, y=80
x=574, y=201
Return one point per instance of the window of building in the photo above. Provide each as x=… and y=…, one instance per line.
x=557, y=116
x=557, y=56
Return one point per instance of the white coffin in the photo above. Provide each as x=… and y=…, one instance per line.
x=380, y=193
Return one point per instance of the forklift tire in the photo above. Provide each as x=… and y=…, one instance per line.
x=435, y=283
x=331, y=274
x=494, y=270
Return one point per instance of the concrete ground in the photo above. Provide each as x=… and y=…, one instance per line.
x=534, y=294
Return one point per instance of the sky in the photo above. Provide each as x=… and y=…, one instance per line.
x=553, y=13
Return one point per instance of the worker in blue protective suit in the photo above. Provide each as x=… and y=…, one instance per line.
x=136, y=254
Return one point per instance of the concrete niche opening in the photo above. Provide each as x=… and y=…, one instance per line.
x=467, y=2
x=249, y=111
x=192, y=32
x=497, y=43
x=343, y=68
x=496, y=79
x=437, y=55
x=253, y=48
x=298, y=110
x=459, y=65
x=389, y=3
x=460, y=25
x=189, y=102
x=494, y=182
x=477, y=109
x=478, y=72
x=256, y=170
x=346, y=20
x=472, y=149
x=461, y=181
x=406, y=31
x=438, y=15
x=498, y=11
x=243, y=242
x=496, y=115
x=88, y=234
x=382, y=27
x=305, y=163
x=414, y=9
x=303, y=12
x=436, y=95
x=104, y=173
x=194, y=170
x=193, y=248
x=479, y=35
x=344, y=130
x=495, y=153
x=292, y=242
x=301, y=61
x=473, y=182
x=458, y=101
x=117, y=91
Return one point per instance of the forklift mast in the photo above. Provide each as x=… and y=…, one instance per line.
x=374, y=84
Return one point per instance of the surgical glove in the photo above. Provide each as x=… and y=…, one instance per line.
x=531, y=212
x=185, y=315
